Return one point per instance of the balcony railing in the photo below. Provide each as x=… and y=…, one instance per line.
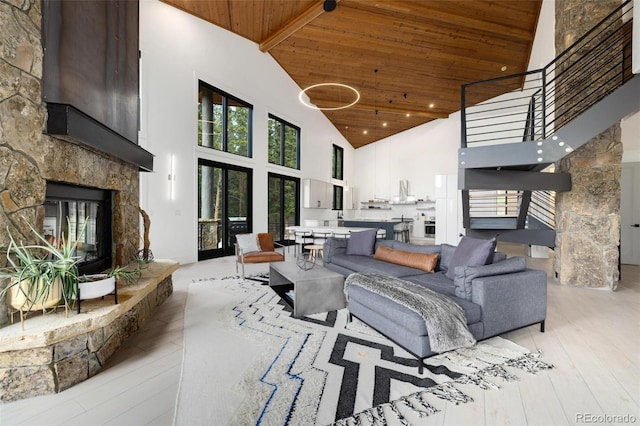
x=532, y=106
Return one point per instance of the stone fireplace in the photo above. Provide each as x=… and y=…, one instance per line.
x=57, y=161
x=30, y=158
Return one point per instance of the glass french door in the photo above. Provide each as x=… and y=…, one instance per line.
x=284, y=204
x=224, y=207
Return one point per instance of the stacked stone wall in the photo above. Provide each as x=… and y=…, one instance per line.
x=588, y=217
x=29, y=158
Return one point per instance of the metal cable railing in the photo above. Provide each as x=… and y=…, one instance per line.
x=494, y=204
x=542, y=207
x=537, y=103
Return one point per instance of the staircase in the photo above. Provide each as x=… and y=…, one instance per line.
x=514, y=129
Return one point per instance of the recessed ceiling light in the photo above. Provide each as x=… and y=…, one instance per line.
x=408, y=115
x=365, y=132
x=384, y=124
x=504, y=68
x=431, y=105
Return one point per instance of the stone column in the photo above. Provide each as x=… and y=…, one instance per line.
x=588, y=217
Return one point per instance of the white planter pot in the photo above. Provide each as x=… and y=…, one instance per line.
x=100, y=285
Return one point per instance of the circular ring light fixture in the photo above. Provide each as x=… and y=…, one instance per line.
x=304, y=91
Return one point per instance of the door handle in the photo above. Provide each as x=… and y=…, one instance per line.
x=636, y=225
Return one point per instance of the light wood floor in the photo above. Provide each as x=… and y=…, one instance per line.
x=592, y=337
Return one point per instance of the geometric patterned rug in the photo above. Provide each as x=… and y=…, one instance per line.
x=322, y=369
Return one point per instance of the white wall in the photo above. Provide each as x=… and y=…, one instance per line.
x=417, y=155
x=177, y=50
x=631, y=138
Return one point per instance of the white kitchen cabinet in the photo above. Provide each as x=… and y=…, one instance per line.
x=317, y=194
x=350, y=198
x=448, y=210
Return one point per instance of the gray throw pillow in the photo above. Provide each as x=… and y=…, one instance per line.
x=361, y=243
x=446, y=253
x=471, y=252
x=333, y=246
x=465, y=274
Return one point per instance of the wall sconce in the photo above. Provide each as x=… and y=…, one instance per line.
x=172, y=178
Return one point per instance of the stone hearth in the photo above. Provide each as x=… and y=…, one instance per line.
x=55, y=352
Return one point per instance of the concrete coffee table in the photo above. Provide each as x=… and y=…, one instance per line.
x=315, y=290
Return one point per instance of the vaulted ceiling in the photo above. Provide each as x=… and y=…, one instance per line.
x=406, y=58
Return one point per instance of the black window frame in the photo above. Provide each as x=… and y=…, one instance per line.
x=225, y=120
x=283, y=179
x=338, y=197
x=337, y=167
x=228, y=234
x=284, y=124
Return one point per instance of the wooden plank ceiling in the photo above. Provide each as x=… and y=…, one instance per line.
x=407, y=58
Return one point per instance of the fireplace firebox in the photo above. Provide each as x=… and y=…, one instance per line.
x=67, y=207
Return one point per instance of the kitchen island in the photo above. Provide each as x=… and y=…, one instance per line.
x=386, y=224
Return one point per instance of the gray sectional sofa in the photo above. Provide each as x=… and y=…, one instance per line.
x=497, y=297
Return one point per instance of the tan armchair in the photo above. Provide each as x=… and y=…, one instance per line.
x=267, y=252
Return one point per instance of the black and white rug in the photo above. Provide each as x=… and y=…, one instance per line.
x=247, y=361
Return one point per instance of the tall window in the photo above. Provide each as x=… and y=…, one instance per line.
x=224, y=207
x=284, y=204
x=338, y=196
x=337, y=166
x=224, y=121
x=284, y=143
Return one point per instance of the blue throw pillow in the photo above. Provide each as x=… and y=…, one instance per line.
x=471, y=252
x=361, y=243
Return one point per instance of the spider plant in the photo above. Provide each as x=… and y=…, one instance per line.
x=37, y=270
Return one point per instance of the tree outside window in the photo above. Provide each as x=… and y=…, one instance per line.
x=224, y=121
x=338, y=196
x=337, y=166
x=284, y=143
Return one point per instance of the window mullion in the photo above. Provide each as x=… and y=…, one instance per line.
x=225, y=117
x=282, y=144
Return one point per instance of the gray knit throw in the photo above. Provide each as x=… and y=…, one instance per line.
x=445, y=321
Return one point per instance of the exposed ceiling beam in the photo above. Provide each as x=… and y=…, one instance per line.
x=381, y=108
x=292, y=27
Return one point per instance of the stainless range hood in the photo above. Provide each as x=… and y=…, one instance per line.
x=404, y=197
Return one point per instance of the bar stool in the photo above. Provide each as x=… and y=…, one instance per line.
x=303, y=238
x=341, y=234
x=315, y=250
x=289, y=236
x=401, y=232
x=319, y=237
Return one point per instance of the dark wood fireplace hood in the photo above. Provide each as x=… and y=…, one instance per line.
x=68, y=123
